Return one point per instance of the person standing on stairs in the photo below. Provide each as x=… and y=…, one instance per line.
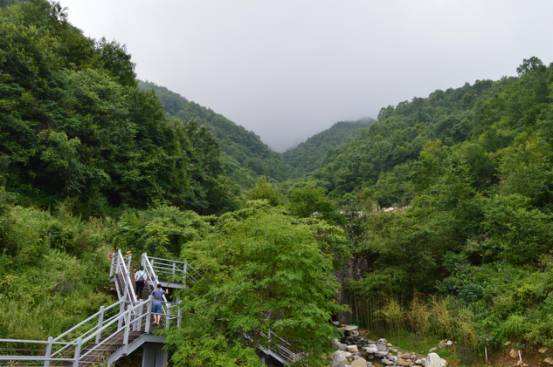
x=157, y=296
x=140, y=281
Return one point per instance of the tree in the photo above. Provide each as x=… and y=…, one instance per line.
x=260, y=270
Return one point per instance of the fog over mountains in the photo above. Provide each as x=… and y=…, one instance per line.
x=290, y=69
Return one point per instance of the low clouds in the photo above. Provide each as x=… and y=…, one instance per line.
x=288, y=69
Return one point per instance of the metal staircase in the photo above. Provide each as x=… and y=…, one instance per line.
x=104, y=337
x=121, y=328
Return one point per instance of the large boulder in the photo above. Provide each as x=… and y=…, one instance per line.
x=434, y=360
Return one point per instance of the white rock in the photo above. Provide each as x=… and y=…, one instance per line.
x=340, y=358
x=382, y=345
x=434, y=360
x=359, y=362
x=371, y=349
x=352, y=348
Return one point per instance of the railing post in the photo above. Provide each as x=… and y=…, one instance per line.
x=149, y=315
x=167, y=315
x=121, y=313
x=48, y=352
x=77, y=354
x=100, y=324
x=127, y=326
x=138, y=325
x=129, y=257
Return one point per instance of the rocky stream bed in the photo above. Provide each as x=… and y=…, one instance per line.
x=355, y=350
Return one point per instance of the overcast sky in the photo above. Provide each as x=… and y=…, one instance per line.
x=287, y=69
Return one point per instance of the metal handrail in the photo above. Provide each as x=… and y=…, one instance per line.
x=129, y=289
x=90, y=318
x=130, y=318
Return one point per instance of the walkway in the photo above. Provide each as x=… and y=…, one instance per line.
x=121, y=328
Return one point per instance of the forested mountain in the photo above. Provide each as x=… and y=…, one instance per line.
x=310, y=155
x=74, y=125
x=464, y=247
x=89, y=162
x=437, y=216
x=246, y=156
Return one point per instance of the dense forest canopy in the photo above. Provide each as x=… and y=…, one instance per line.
x=75, y=126
x=434, y=219
x=310, y=155
x=466, y=176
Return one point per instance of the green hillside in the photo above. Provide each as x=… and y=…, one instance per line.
x=463, y=249
x=246, y=156
x=310, y=155
x=433, y=222
x=90, y=162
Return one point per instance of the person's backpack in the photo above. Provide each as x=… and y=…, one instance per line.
x=141, y=275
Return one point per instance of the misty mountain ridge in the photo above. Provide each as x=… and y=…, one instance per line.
x=245, y=156
x=309, y=156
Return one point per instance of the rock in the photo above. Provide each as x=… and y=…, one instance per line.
x=404, y=362
x=337, y=345
x=434, y=360
x=513, y=353
x=352, y=348
x=340, y=358
x=543, y=350
x=449, y=343
x=351, y=330
x=381, y=353
x=548, y=361
x=420, y=362
x=381, y=345
x=371, y=349
x=351, y=327
x=386, y=362
x=359, y=362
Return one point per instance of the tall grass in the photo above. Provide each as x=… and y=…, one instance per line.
x=425, y=316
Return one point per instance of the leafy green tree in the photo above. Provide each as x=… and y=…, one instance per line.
x=265, y=190
x=260, y=270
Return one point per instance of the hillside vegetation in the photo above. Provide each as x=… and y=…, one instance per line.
x=464, y=249
x=310, y=155
x=436, y=219
x=245, y=155
x=90, y=162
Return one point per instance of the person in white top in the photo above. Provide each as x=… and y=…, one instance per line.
x=140, y=280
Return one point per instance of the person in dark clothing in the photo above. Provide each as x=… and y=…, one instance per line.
x=140, y=280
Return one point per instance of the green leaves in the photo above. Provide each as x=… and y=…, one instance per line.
x=260, y=271
x=74, y=124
